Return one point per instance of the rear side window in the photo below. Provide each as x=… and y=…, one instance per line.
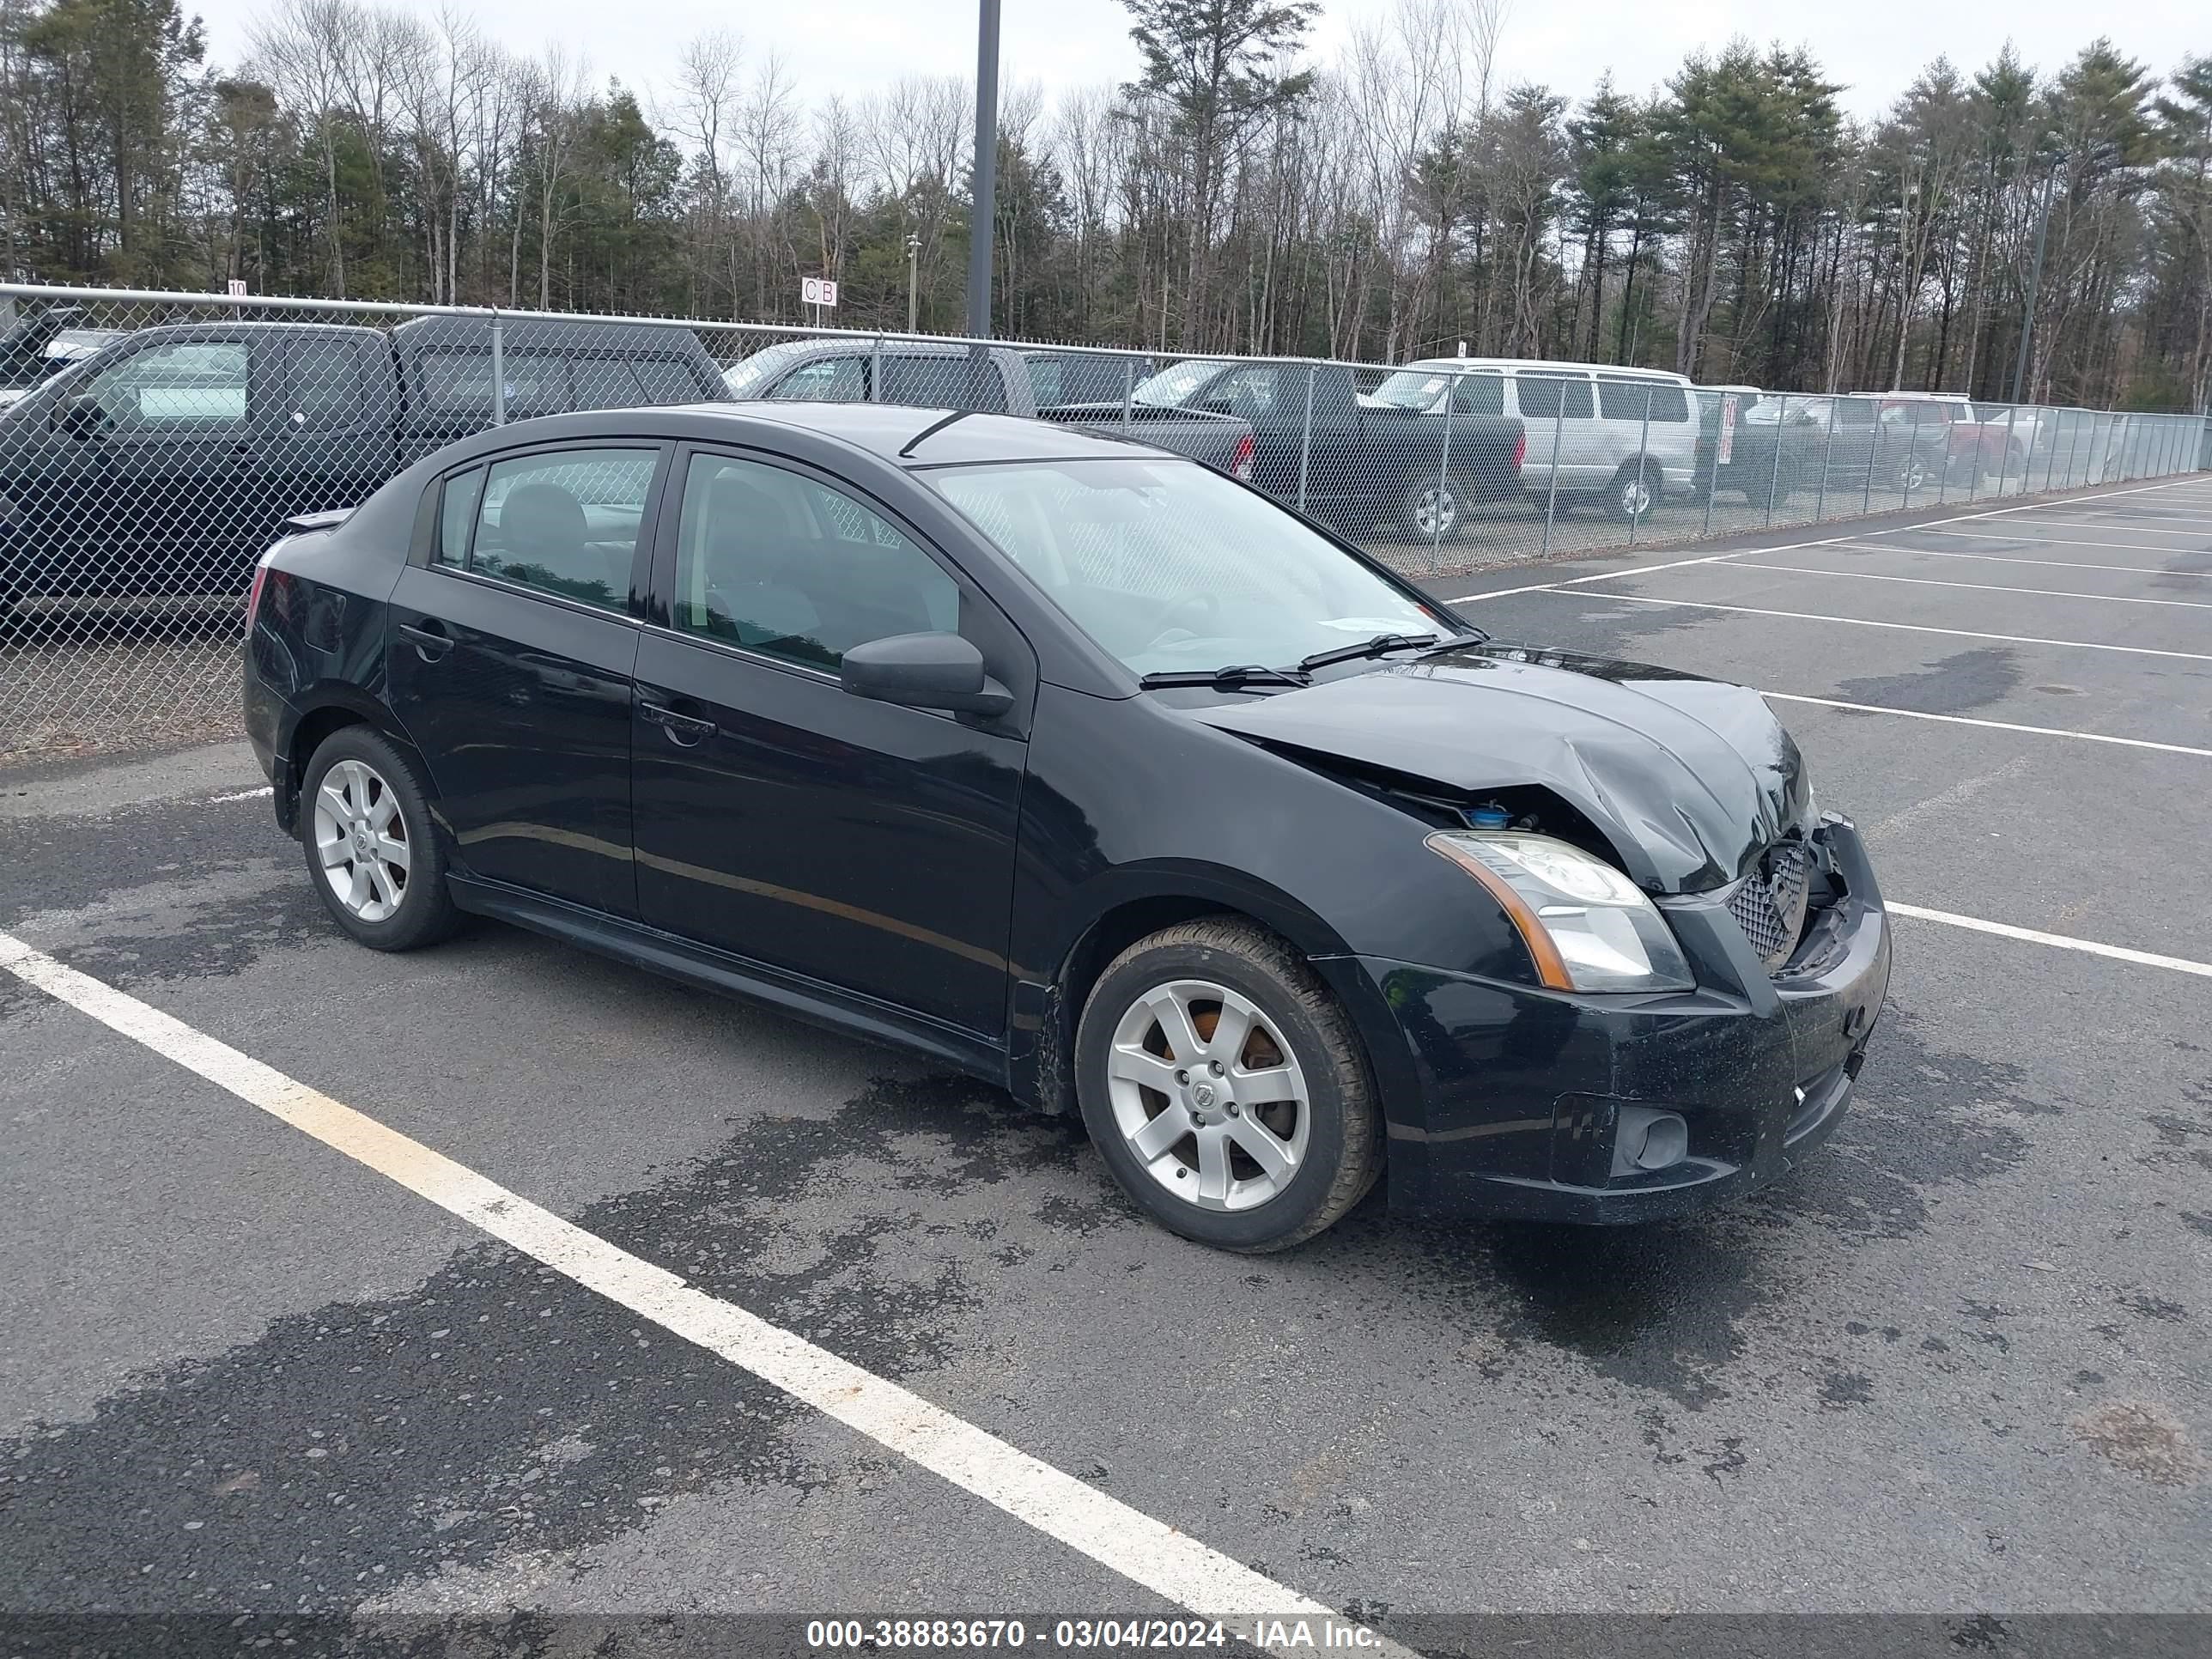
x=1627, y=400
x=666, y=381
x=196, y=385
x=326, y=390
x=1479, y=394
x=459, y=382
x=1542, y=396
x=564, y=521
x=944, y=383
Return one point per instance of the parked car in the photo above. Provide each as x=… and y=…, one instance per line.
x=1362, y=467
x=997, y=380
x=1623, y=438
x=163, y=462
x=1973, y=447
x=1720, y=411
x=1789, y=445
x=1085, y=770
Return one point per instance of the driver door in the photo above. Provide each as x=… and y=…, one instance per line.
x=855, y=844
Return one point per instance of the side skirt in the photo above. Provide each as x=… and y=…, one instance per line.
x=693, y=964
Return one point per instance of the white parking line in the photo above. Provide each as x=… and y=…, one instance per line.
x=2040, y=541
x=2132, y=528
x=1993, y=725
x=1150, y=1553
x=2049, y=564
x=1909, y=628
x=1979, y=587
x=2061, y=941
x=1785, y=547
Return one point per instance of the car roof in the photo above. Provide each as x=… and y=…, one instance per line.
x=940, y=437
x=1548, y=366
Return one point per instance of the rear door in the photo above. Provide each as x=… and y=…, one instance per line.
x=514, y=636
x=335, y=433
x=1560, y=415
x=861, y=845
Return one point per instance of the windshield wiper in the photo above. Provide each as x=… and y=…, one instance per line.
x=1228, y=677
x=1373, y=647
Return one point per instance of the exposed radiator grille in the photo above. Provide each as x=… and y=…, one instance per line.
x=1769, y=904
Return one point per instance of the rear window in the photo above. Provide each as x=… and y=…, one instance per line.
x=1543, y=396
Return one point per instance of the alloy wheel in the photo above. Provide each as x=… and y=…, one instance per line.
x=361, y=840
x=1208, y=1096
x=1436, y=510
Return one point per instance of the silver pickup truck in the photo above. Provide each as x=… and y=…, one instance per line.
x=1002, y=381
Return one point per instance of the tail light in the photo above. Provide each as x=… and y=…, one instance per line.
x=1242, y=464
x=253, y=593
x=1520, y=449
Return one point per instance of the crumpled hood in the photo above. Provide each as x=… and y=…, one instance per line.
x=1690, y=778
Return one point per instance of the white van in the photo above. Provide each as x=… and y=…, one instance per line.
x=1626, y=438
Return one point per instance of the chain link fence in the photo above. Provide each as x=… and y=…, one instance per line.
x=151, y=445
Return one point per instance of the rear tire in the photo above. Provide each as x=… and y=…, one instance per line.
x=1431, y=511
x=1633, y=496
x=372, y=848
x=1256, y=1143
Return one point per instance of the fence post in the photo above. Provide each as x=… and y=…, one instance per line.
x=1827, y=455
x=1873, y=457
x=2012, y=419
x=1128, y=388
x=1305, y=436
x=2072, y=443
x=1551, y=490
x=1444, y=485
x=1774, y=482
x=1713, y=483
x=498, y=373
x=1911, y=451
x=876, y=371
x=2027, y=461
x=1642, y=455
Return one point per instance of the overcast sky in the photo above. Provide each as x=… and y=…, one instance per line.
x=853, y=46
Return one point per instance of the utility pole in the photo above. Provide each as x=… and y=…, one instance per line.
x=987, y=171
x=984, y=211
x=2034, y=280
x=913, y=274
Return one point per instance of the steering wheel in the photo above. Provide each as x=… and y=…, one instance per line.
x=1179, y=614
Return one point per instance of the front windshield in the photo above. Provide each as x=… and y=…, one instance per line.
x=1411, y=388
x=1174, y=568
x=1170, y=387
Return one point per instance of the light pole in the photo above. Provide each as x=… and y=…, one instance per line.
x=987, y=171
x=913, y=275
x=2034, y=280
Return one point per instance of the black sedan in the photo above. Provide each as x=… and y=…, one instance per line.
x=1082, y=769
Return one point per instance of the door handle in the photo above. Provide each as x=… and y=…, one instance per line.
x=685, y=730
x=431, y=641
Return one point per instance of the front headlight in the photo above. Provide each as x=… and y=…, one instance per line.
x=1587, y=925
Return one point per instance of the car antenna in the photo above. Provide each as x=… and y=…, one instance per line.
x=931, y=430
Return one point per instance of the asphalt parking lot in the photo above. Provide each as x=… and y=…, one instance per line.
x=1957, y=1364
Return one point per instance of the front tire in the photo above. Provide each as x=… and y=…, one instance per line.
x=373, y=854
x=1225, y=1087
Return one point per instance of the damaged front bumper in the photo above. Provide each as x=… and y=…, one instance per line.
x=1506, y=1100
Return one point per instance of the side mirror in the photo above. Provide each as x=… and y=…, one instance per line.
x=924, y=671
x=81, y=417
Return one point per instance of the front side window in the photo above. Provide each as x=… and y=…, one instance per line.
x=1411, y=388
x=191, y=383
x=564, y=521
x=780, y=564
x=1171, y=567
